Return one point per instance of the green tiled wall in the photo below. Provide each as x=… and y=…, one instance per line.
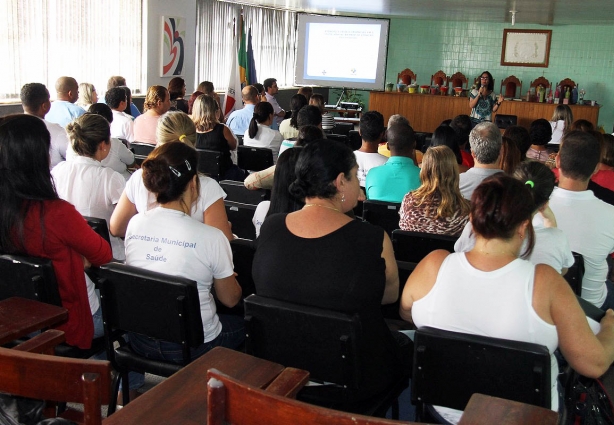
x=583, y=53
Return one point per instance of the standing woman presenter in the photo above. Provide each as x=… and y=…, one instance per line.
x=483, y=101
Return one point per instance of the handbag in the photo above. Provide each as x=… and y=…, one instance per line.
x=589, y=403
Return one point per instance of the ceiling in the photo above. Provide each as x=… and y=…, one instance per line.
x=542, y=12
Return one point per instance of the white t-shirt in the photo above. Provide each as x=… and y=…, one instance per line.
x=286, y=130
x=118, y=159
x=588, y=224
x=265, y=138
x=285, y=145
x=260, y=214
x=557, y=131
x=59, y=143
x=92, y=189
x=168, y=241
x=122, y=126
x=143, y=200
x=366, y=161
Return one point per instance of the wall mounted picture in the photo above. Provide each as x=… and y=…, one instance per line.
x=526, y=48
x=173, y=46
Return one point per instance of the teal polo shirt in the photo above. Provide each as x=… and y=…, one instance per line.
x=391, y=181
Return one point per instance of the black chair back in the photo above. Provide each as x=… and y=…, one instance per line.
x=210, y=163
x=423, y=140
x=355, y=139
x=343, y=127
x=383, y=214
x=505, y=121
x=28, y=277
x=240, y=138
x=575, y=274
x=341, y=138
x=449, y=367
x=243, y=251
x=240, y=215
x=412, y=247
x=99, y=225
x=254, y=159
x=141, y=151
x=237, y=192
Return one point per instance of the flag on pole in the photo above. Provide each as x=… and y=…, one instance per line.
x=243, y=69
x=233, y=92
x=251, y=64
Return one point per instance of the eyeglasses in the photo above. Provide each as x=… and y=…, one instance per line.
x=483, y=78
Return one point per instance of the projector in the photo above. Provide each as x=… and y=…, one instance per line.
x=349, y=105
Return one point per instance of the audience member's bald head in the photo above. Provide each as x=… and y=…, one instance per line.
x=249, y=94
x=35, y=99
x=67, y=89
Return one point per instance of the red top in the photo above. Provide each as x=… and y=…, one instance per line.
x=467, y=159
x=67, y=238
x=604, y=178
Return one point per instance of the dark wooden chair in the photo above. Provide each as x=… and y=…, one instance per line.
x=407, y=76
x=450, y=366
x=232, y=401
x=458, y=79
x=153, y=304
x=210, y=163
x=439, y=78
x=237, y=192
x=541, y=81
x=383, y=214
x=324, y=342
x=510, y=86
x=141, y=151
x=412, y=247
x=567, y=82
x=254, y=159
x=56, y=379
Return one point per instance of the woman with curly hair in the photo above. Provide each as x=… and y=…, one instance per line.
x=157, y=103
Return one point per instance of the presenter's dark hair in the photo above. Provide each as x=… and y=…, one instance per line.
x=296, y=103
x=25, y=178
x=319, y=164
x=169, y=169
x=491, y=82
x=262, y=112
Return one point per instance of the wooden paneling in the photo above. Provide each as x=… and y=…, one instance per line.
x=425, y=112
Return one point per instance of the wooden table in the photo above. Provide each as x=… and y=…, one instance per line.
x=182, y=398
x=483, y=409
x=20, y=317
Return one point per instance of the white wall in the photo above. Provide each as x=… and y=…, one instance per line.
x=153, y=10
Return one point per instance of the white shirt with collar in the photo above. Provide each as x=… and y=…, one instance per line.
x=59, y=143
x=122, y=126
x=276, y=110
x=265, y=138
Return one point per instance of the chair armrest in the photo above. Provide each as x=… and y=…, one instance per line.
x=289, y=382
x=43, y=343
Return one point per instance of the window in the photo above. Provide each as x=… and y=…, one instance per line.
x=273, y=41
x=90, y=40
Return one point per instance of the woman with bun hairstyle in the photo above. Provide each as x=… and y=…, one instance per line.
x=318, y=256
x=259, y=133
x=93, y=189
x=174, y=126
x=36, y=222
x=193, y=250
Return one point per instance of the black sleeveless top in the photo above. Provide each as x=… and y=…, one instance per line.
x=214, y=140
x=342, y=271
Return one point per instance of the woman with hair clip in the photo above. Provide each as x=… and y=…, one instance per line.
x=203, y=254
x=157, y=103
x=491, y=291
x=482, y=100
x=437, y=206
x=561, y=121
x=288, y=127
x=551, y=245
x=259, y=133
x=174, y=126
x=36, y=222
x=84, y=182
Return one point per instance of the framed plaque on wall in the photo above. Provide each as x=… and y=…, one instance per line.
x=526, y=48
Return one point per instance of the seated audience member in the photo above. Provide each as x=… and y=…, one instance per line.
x=176, y=90
x=36, y=222
x=122, y=125
x=328, y=122
x=87, y=96
x=170, y=172
x=264, y=179
x=213, y=135
x=584, y=218
x=551, y=245
x=605, y=175
x=510, y=155
x=157, y=103
x=174, y=126
x=318, y=238
x=582, y=125
x=261, y=92
x=308, y=115
x=560, y=122
x=490, y=291
x=192, y=99
x=238, y=120
x=437, y=206
x=462, y=125
x=520, y=136
x=485, y=141
x=83, y=181
x=119, y=81
x=382, y=149
x=540, y=134
x=371, y=130
x=399, y=175
x=307, y=92
x=282, y=201
x=259, y=133
x=288, y=127
x=35, y=101
x=63, y=110
x=209, y=90
x=270, y=90
x=444, y=135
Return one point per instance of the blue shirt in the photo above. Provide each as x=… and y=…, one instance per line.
x=238, y=121
x=391, y=181
x=63, y=112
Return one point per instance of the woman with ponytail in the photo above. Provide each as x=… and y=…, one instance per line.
x=289, y=127
x=184, y=247
x=259, y=133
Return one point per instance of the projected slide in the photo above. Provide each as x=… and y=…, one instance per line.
x=351, y=53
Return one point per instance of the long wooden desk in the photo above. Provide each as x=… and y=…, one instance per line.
x=425, y=112
x=20, y=317
x=182, y=398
